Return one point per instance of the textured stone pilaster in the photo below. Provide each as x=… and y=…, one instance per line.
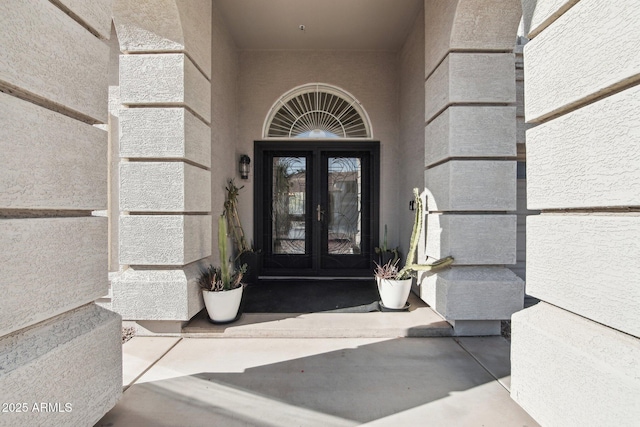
x=164, y=187
x=582, y=340
x=470, y=176
x=65, y=267
x=158, y=294
x=569, y=370
x=165, y=146
x=474, y=293
x=49, y=161
x=164, y=239
x=570, y=62
x=72, y=362
x=472, y=239
x=579, y=163
x=159, y=133
x=57, y=348
x=471, y=132
x=170, y=78
x=37, y=39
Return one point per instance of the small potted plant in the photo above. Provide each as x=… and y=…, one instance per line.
x=244, y=255
x=394, y=283
x=222, y=286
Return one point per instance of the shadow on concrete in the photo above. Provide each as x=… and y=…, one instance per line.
x=418, y=321
x=337, y=388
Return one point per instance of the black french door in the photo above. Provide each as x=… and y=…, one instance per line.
x=316, y=207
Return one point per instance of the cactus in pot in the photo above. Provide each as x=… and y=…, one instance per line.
x=222, y=286
x=394, y=283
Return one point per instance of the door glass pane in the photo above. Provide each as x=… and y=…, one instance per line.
x=345, y=205
x=288, y=209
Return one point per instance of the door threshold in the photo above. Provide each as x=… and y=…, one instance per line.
x=314, y=278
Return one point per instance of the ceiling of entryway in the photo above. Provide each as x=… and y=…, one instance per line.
x=328, y=24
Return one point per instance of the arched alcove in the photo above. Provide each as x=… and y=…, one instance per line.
x=317, y=110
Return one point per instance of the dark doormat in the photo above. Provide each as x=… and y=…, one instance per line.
x=311, y=296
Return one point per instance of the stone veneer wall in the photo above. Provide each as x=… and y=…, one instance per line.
x=56, y=346
x=575, y=355
x=470, y=161
x=165, y=226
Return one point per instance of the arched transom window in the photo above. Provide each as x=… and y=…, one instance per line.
x=317, y=110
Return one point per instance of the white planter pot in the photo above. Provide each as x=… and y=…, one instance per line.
x=394, y=293
x=223, y=306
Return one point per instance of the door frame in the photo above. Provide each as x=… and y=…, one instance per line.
x=261, y=147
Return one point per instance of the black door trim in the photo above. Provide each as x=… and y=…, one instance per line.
x=262, y=148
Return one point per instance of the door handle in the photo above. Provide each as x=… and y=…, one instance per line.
x=320, y=212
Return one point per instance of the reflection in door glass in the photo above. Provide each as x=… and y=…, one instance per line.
x=288, y=205
x=345, y=205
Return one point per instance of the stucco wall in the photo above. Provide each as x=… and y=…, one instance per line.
x=113, y=213
x=369, y=76
x=583, y=172
x=224, y=120
x=411, y=106
x=56, y=345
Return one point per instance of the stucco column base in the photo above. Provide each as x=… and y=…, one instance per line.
x=569, y=370
x=463, y=295
x=158, y=295
x=67, y=370
x=159, y=328
x=475, y=328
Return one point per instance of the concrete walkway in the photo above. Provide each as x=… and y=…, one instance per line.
x=271, y=381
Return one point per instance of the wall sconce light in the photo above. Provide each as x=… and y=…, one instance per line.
x=245, y=161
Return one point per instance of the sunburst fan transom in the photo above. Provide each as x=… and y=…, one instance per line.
x=317, y=111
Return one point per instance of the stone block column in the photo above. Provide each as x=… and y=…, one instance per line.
x=575, y=354
x=165, y=226
x=470, y=163
x=57, y=346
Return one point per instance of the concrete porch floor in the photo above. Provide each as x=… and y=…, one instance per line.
x=280, y=377
x=419, y=321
